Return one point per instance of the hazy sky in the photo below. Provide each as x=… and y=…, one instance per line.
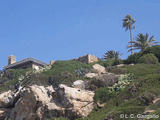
x=66, y=29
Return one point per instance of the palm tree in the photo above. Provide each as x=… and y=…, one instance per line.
x=112, y=54
x=128, y=22
x=142, y=42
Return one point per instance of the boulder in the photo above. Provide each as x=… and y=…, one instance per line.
x=80, y=100
x=6, y=99
x=41, y=103
x=131, y=64
x=102, y=80
x=120, y=65
x=79, y=84
x=107, y=80
x=91, y=75
x=98, y=68
x=32, y=100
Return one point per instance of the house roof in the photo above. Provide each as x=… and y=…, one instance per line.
x=40, y=63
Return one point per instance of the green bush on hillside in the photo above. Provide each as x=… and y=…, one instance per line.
x=110, y=62
x=154, y=50
x=148, y=59
x=102, y=95
x=11, y=78
x=105, y=93
x=106, y=63
x=133, y=58
x=123, y=81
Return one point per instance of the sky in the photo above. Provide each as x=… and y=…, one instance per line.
x=66, y=29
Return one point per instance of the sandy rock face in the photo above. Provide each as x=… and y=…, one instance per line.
x=79, y=84
x=80, y=100
x=91, y=75
x=6, y=99
x=99, y=68
x=33, y=100
x=39, y=102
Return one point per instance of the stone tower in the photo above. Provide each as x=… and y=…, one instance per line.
x=11, y=59
x=51, y=62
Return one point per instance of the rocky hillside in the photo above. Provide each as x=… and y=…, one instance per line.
x=71, y=90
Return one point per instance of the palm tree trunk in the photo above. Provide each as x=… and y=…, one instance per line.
x=131, y=39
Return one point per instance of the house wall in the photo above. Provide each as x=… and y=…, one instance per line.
x=28, y=65
x=36, y=67
x=23, y=66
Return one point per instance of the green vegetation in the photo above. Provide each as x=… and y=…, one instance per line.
x=10, y=78
x=107, y=63
x=135, y=98
x=133, y=58
x=148, y=59
x=102, y=95
x=154, y=50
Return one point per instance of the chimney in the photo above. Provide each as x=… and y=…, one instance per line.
x=11, y=59
x=51, y=62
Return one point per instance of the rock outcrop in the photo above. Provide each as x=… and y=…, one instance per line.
x=6, y=99
x=91, y=75
x=99, y=69
x=79, y=84
x=40, y=103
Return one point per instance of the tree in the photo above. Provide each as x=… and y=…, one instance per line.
x=128, y=22
x=142, y=42
x=112, y=54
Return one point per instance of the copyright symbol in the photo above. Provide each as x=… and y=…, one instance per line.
x=121, y=115
x=132, y=116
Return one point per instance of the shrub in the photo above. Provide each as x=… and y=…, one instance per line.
x=154, y=50
x=102, y=95
x=146, y=98
x=148, y=59
x=106, y=63
x=11, y=78
x=133, y=58
x=116, y=70
x=123, y=81
x=110, y=62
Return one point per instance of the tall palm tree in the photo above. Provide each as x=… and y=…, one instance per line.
x=142, y=42
x=112, y=54
x=128, y=22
